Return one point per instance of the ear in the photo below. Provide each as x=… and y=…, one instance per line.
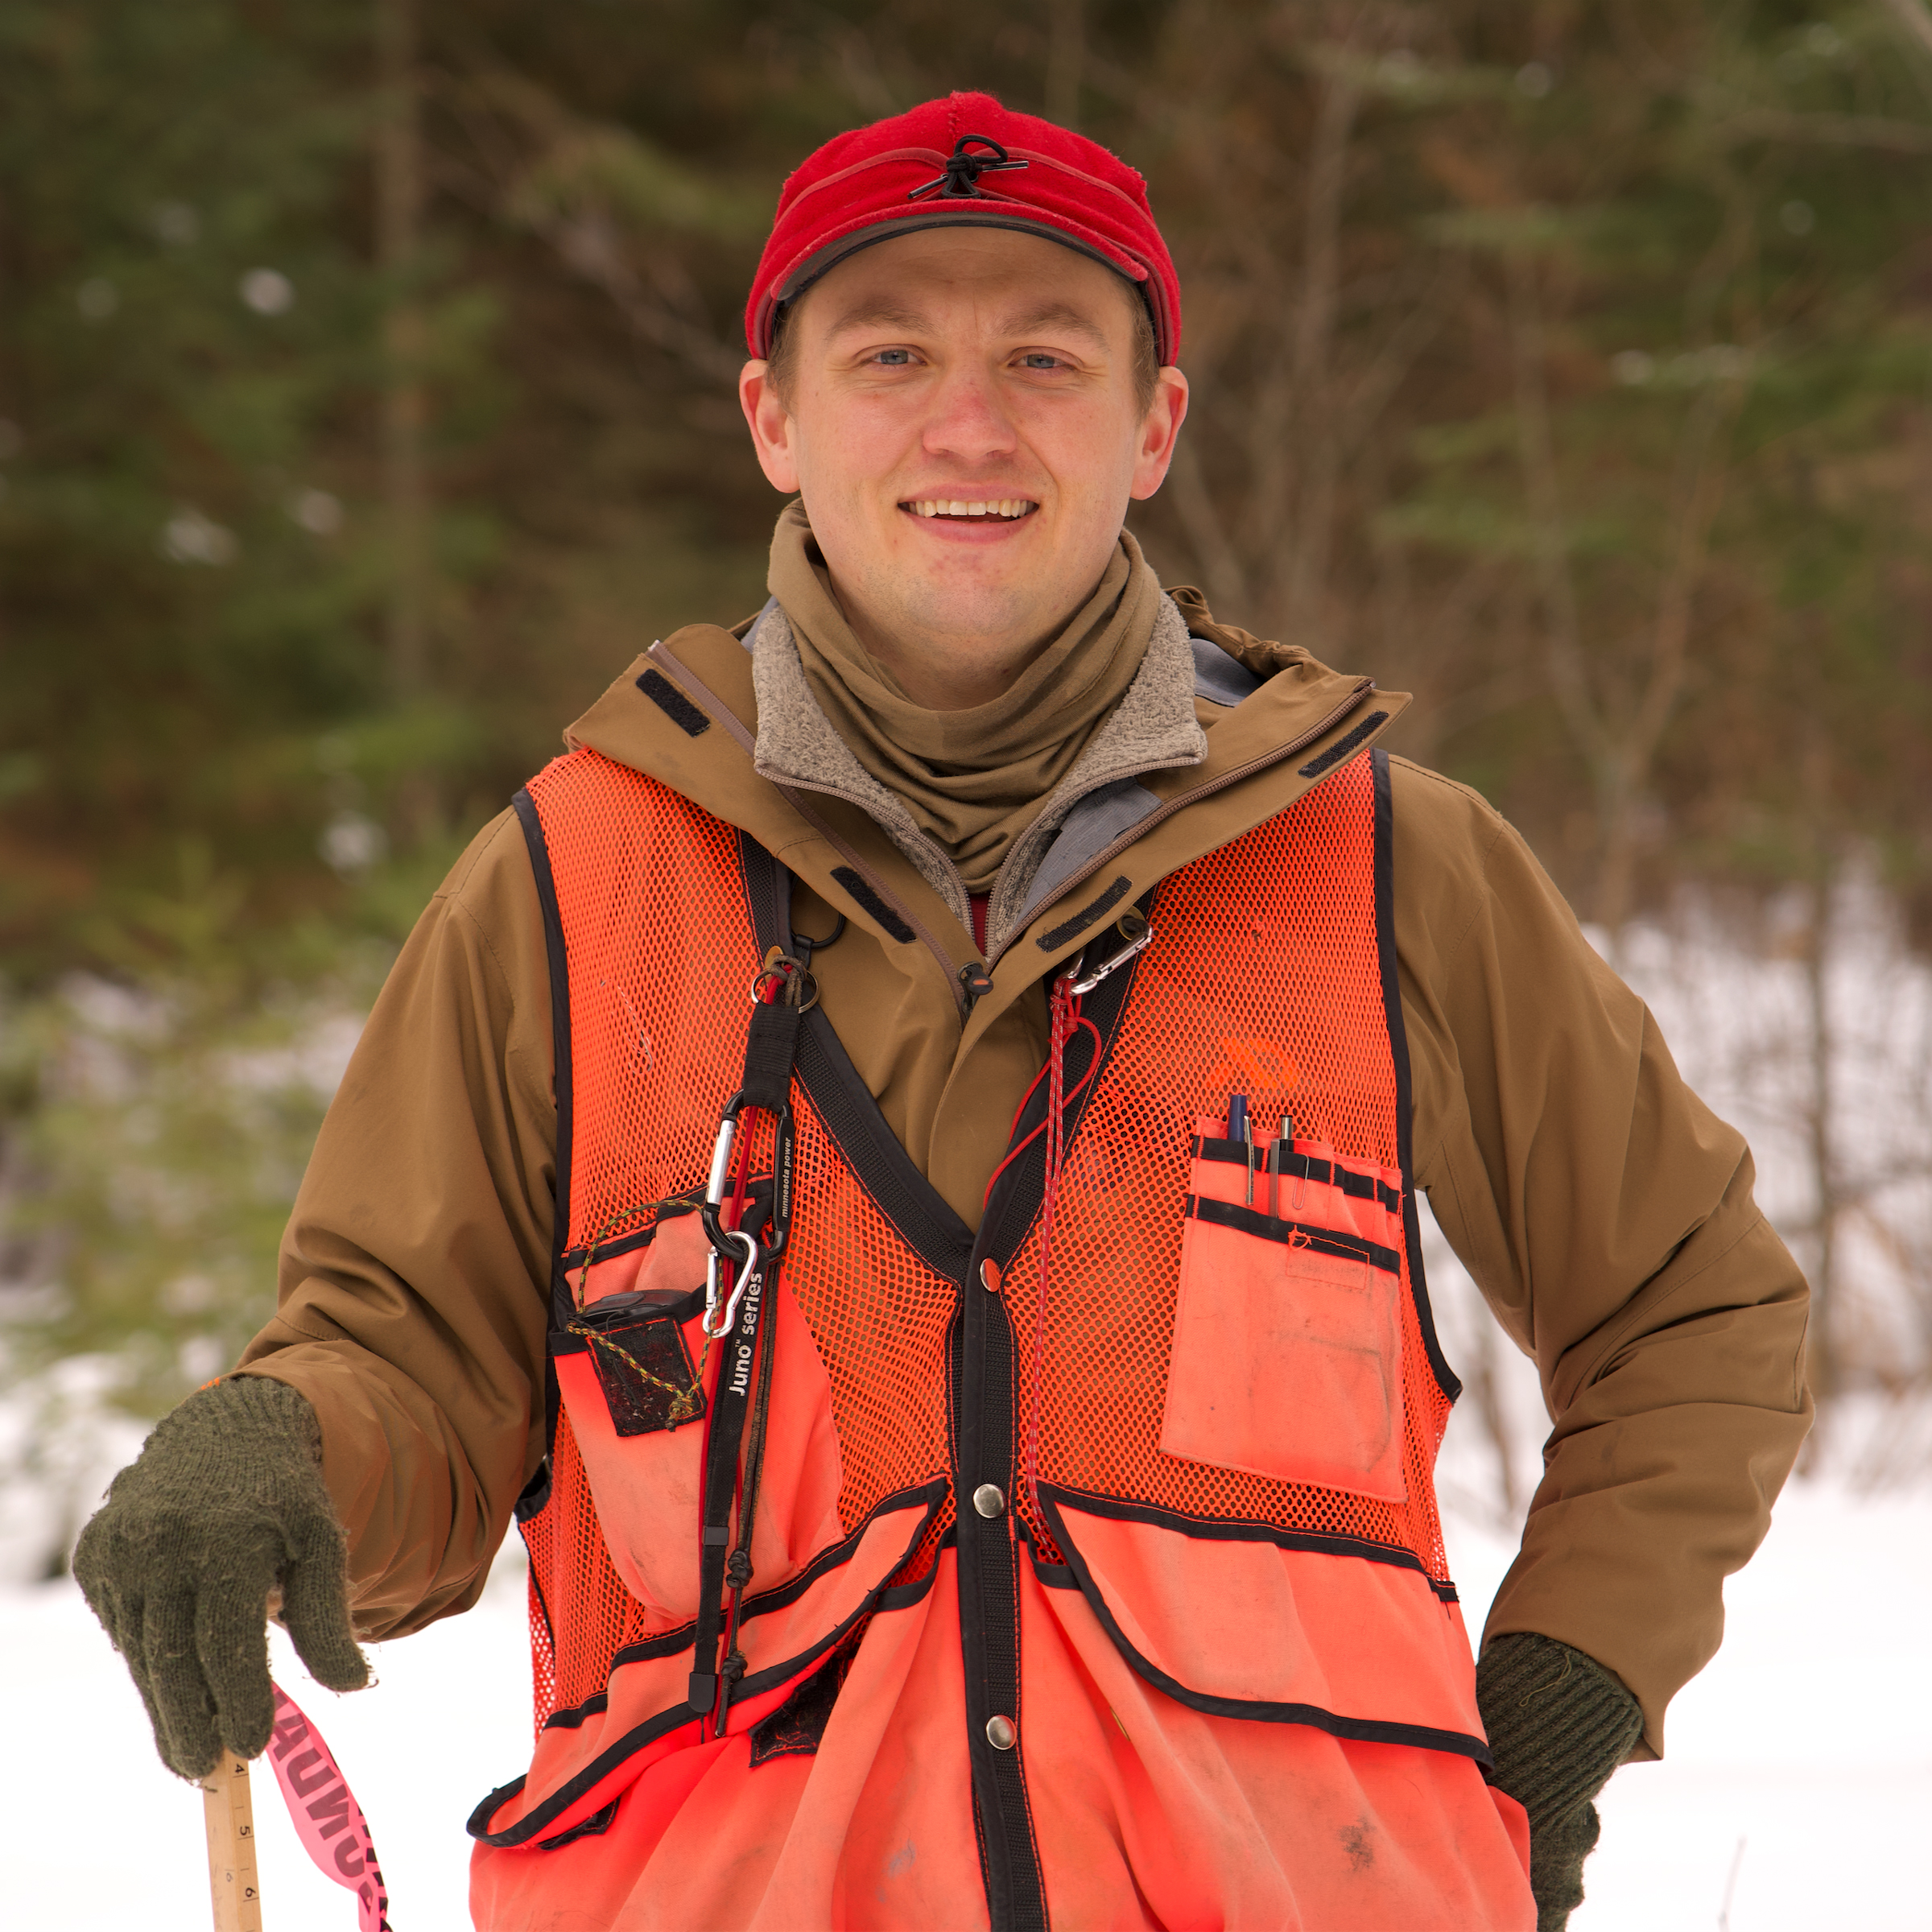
x=1160, y=430
x=771, y=427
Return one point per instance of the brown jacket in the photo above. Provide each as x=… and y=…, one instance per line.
x=1605, y=1212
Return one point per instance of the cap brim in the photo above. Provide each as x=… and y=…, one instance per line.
x=828, y=258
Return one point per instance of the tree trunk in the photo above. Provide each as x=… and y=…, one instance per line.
x=399, y=213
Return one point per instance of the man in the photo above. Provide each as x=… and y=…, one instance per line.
x=989, y=1479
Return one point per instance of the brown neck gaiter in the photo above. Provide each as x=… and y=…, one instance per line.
x=974, y=780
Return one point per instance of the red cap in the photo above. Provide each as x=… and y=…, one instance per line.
x=969, y=162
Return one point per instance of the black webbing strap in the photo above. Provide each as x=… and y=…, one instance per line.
x=732, y=1399
x=771, y=1049
x=737, y=1568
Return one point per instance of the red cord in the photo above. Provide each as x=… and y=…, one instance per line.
x=1093, y=1068
x=1065, y=1022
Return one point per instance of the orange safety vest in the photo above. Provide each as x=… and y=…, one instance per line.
x=1193, y=1402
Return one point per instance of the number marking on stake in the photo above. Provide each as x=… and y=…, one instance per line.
x=232, y=1881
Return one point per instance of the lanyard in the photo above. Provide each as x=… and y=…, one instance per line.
x=740, y=1278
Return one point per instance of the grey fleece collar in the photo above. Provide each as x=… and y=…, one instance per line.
x=1152, y=728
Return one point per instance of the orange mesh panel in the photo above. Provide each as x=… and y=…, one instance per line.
x=1263, y=978
x=879, y=1316
x=540, y=1540
x=662, y=955
x=592, y=1615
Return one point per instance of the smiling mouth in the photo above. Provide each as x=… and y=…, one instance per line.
x=1001, y=509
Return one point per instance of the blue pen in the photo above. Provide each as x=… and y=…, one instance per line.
x=1238, y=1130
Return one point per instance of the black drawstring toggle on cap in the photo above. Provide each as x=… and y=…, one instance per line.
x=963, y=170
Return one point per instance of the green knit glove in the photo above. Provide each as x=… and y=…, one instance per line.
x=224, y=1503
x=1559, y=1725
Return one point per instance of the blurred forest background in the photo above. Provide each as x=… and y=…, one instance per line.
x=366, y=401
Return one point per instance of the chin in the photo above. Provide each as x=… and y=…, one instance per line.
x=939, y=608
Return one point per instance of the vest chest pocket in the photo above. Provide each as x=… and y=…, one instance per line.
x=628, y=1373
x=1286, y=1359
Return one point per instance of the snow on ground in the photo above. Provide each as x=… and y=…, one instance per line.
x=120, y=1839
x=1806, y=1740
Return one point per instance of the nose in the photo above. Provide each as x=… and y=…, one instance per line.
x=969, y=422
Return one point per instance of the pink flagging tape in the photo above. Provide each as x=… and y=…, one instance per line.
x=328, y=1821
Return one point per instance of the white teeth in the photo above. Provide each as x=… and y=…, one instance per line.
x=1009, y=507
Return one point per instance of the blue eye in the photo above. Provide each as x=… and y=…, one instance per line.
x=1039, y=359
x=893, y=359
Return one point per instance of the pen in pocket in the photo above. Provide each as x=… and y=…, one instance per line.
x=1241, y=1129
x=1279, y=1150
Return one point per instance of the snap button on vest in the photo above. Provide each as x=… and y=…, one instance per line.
x=990, y=1275
x=988, y=1500
x=1001, y=1733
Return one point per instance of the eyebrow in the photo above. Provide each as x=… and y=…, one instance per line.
x=880, y=314
x=1047, y=315
x=1057, y=314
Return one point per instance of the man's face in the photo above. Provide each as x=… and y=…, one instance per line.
x=962, y=424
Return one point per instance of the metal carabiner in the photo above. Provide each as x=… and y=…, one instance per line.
x=1138, y=932
x=712, y=1292
x=715, y=1231
x=721, y=1160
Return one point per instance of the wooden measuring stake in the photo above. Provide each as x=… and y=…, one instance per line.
x=231, y=1879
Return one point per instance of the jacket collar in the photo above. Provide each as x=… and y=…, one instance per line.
x=1153, y=728
x=687, y=714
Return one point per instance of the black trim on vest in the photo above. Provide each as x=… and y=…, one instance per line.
x=670, y=1643
x=797, y=1727
x=593, y=1826
x=879, y=1163
x=535, y=1494
x=665, y=1721
x=559, y=1802
x=1446, y=1377
x=1303, y=1167
x=903, y=1596
x=1366, y=1730
x=1261, y=1227
x=988, y=1581
x=673, y=1207
x=1223, y=1529
x=989, y=1619
x=985, y=1432
x=558, y=960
